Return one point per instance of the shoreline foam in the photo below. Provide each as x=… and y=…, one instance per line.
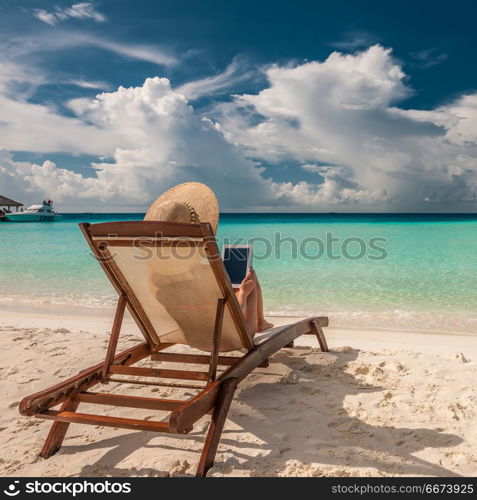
x=397, y=320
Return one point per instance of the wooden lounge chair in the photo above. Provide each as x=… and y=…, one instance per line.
x=171, y=279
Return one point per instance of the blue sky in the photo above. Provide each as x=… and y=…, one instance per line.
x=279, y=106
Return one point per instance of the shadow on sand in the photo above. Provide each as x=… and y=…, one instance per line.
x=331, y=438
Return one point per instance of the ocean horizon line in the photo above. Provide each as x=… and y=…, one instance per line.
x=463, y=214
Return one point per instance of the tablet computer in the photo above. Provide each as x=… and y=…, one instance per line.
x=237, y=261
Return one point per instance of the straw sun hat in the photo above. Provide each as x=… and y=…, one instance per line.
x=191, y=202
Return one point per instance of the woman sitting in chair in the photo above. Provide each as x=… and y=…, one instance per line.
x=193, y=202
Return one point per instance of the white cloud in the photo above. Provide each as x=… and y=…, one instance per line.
x=140, y=52
x=160, y=141
x=39, y=128
x=354, y=40
x=45, y=16
x=42, y=128
x=163, y=141
x=81, y=10
x=429, y=57
x=27, y=126
x=336, y=188
x=18, y=80
x=24, y=46
x=88, y=84
x=338, y=120
x=31, y=182
x=343, y=112
x=463, y=130
x=236, y=72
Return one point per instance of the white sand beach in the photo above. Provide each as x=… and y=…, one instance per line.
x=381, y=403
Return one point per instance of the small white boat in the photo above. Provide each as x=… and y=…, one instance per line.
x=35, y=213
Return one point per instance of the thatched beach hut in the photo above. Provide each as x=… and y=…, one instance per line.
x=8, y=203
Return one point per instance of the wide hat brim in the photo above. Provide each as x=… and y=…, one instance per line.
x=197, y=195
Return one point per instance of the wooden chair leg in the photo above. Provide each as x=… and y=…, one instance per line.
x=58, y=431
x=214, y=355
x=113, y=339
x=321, y=337
x=216, y=426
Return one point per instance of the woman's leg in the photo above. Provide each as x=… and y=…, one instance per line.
x=247, y=298
x=250, y=299
x=262, y=324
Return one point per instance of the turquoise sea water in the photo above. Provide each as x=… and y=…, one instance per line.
x=421, y=274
